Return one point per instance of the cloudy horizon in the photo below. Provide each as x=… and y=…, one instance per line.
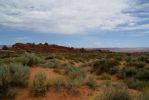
x=77, y=23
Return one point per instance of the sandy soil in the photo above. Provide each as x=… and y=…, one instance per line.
x=83, y=94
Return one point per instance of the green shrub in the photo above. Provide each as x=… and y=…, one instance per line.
x=144, y=58
x=30, y=59
x=135, y=84
x=76, y=77
x=6, y=54
x=91, y=82
x=74, y=73
x=59, y=84
x=127, y=72
x=144, y=96
x=105, y=76
x=39, y=84
x=55, y=63
x=115, y=94
x=10, y=75
x=50, y=56
x=136, y=64
x=143, y=74
x=5, y=79
x=4, y=75
x=11, y=93
x=101, y=66
x=19, y=74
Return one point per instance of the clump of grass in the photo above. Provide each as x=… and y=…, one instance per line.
x=137, y=64
x=39, y=86
x=101, y=66
x=19, y=74
x=127, y=72
x=91, y=82
x=136, y=84
x=12, y=75
x=11, y=93
x=75, y=77
x=105, y=76
x=55, y=63
x=59, y=84
x=30, y=59
x=115, y=94
x=143, y=74
x=144, y=96
x=50, y=56
x=5, y=79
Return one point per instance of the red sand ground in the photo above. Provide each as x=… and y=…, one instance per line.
x=85, y=92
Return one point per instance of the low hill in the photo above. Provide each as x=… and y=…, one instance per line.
x=43, y=48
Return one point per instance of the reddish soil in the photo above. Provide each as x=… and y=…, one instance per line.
x=83, y=93
x=52, y=94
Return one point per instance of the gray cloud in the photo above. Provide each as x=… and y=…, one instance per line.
x=65, y=16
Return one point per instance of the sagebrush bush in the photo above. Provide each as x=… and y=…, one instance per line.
x=39, y=86
x=136, y=64
x=55, y=63
x=101, y=66
x=59, y=84
x=115, y=94
x=105, y=76
x=50, y=56
x=19, y=74
x=136, y=84
x=91, y=82
x=143, y=74
x=11, y=93
x=144, y=96
x=76, y=77
x=12, y=75
x=127, y=72
x=30, y=59
x=5, y=79
x=144, y=58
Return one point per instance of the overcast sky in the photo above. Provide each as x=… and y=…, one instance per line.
x=78, y=23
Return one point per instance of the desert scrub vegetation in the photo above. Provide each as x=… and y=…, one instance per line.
x=104, y=76
x=52, y=63
x=137, y=64
x=127, y=72
x=7, y=54
x=114, y=94
x=30, y=59
x=91, y=82
x=143, y=96
x=103, y=65
x=132, y=72
x=5, y=79
x=144, y=58
x=50, y=56
x=19, y=74
x=135, y=78
x=12, y=75
x=75, y=77
x=12, y=93
x=59, y=84
x=55, y=63
x=137, y=84
x=39, y=86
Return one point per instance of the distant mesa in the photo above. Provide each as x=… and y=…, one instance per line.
x=53, y=48
x=43, y=48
